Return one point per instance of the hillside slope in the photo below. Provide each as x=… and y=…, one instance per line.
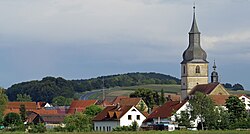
x=50, y=87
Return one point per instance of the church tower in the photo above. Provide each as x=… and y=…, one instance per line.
x=214, y=75
x=194, y=67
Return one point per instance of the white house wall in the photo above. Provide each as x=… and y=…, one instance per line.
x=105, y=125
x=246, y=101
x=124, y=119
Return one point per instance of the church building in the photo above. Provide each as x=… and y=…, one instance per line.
x=194, y=68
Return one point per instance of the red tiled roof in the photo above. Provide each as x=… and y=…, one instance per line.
x=166, y=110
x=112, y=113
x=31, y=116
x=104, y=103
x=80, y=105
x=46, y=112
x=38, y=111
x=6, y=111
x=53, y=119
x=219, y=100
x=118, y=99
x=129, y=101
x=173, y=97
x=16, y=105
x=204, y=88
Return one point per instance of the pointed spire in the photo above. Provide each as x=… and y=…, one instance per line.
x=214, y=74
x=194, y=28
x=214, y=66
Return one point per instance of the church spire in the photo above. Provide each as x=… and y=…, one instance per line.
x=194, y=52
x=214, y=74
x=194, y=28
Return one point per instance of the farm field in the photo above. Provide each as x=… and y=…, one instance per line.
x=125, y=91
x=150, y=132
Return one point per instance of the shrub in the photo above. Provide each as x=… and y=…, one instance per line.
x=39, y=128
x=12, y=120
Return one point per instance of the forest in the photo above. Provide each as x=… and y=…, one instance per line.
x=51, y=87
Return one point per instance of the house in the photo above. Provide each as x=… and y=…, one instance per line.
x=29, y=106
x=246, y=100
x=50, y=117
x=115, y=116
x=219, y=100
x=80, y=105
x=137, y=102
x=165, y=114
x=104, y=103
x=118, y=99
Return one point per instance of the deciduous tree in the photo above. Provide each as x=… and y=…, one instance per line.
x=93, y=110
x=78, y=122
x=23, y=98
x=236, y=109
x=23, y=112
x=202, y=107
x=3, y=102
x=12, y=119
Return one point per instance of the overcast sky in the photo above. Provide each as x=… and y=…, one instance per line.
x=79, y=39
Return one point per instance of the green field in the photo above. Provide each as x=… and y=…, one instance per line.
x=125, y=91
x=150, y=132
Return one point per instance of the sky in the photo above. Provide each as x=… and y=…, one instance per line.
x=81, y=39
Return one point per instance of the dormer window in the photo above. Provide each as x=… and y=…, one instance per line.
x=197, y=69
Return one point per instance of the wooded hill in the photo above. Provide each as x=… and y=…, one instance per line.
x=50, y=87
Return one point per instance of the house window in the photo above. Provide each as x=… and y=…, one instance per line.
x=243, y=99
x=197, y=69
x=129, y=117
x=138, y=117
x=107, y=128
x=103, y=128
x=96, y=128
x=133, y=110
x=100, y=128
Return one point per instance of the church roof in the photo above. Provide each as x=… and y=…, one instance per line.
x=204, y=88
x=166, y=110
x=194, y=53
x=194, y=28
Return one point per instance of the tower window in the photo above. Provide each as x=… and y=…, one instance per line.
x=197, y=69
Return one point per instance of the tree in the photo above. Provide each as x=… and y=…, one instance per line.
x=93, y=110
x=238, y=87
x=61, y=101
x=227, y=85
x=39, y=128
x=133, y=127
x=202, y=107
x=236, y=109
x=149, y=97
x=78, y=122
x=223, y=120
x=3, y=102
x=23, y=112
x=183, y=119
x=162, y=98
x=23, y=98
x=12, y=119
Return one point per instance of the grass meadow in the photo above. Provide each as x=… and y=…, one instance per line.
x=150, y=132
